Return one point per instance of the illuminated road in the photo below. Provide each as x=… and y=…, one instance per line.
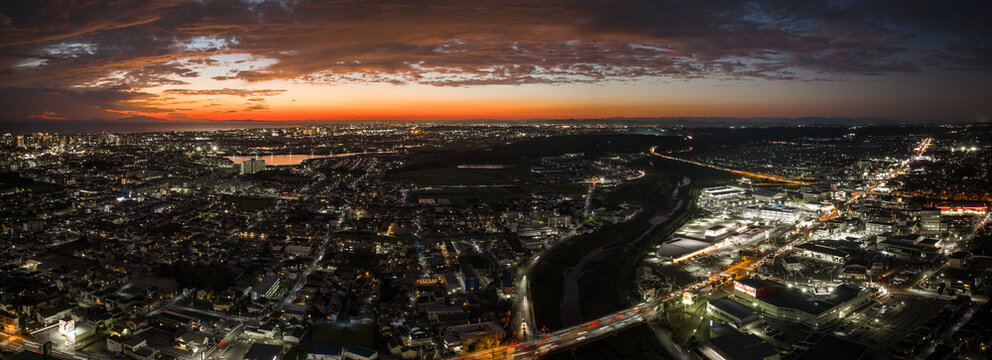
x=571, y=336
x=749, y=174
x=608, y=325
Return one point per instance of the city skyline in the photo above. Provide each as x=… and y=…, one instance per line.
x=490, y=179
x=301, y=61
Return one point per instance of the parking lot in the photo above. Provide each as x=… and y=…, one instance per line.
x=234, y=350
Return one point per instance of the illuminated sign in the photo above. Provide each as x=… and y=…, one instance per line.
x=687, y=298
x=715, y=231
x=67, y=327
x=745, y=289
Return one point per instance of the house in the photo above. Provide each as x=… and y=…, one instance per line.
x=395, y=345
x=115, y=344
x=52, y=315
x=192, y=339
x=138, y=348
x=360, y=353
x=294, y=334
x=324, y=352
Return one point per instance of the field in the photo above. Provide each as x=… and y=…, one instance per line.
x=439, y=176
x=521, y=153
x=343, y=335
x=473, y=186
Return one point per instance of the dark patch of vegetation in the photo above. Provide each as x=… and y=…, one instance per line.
x=523, y=152
x=249, y=204
x=166, y=230
x=15, y=180
x=277, y=176
x=300, y=216
x=198, y=275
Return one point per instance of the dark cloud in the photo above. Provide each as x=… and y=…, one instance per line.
x=33, y=103
x=232, y=92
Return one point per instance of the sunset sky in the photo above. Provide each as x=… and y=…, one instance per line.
x=469, y=59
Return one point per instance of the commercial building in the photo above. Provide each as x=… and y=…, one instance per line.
x=466, y=335
x=780, y=302
x=777, y=213
x=822, y=252
x=174, y=321
x=729, y=343
x=731, y=311
x=451, y=282
x=10, y=323
x=878, y=227
x=678, y=247
x=959, y=208
x=722, y=192
x=910, y=247
x=930, y=222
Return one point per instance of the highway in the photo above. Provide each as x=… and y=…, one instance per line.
x=571, y=336
x=750, y=174
x=522, y=310
x=538, y=345
x=608, y=325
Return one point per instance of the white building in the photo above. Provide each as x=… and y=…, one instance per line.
x=252, y=166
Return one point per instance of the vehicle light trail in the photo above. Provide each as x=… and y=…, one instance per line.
x=609, y=324
x=750, y=174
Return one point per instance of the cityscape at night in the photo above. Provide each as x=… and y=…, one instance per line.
x=562, y=180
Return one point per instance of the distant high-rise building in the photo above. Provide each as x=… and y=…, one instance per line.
x=930, y=222
x=252, y=166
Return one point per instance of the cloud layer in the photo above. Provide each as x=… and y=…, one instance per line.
x=103, y=56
